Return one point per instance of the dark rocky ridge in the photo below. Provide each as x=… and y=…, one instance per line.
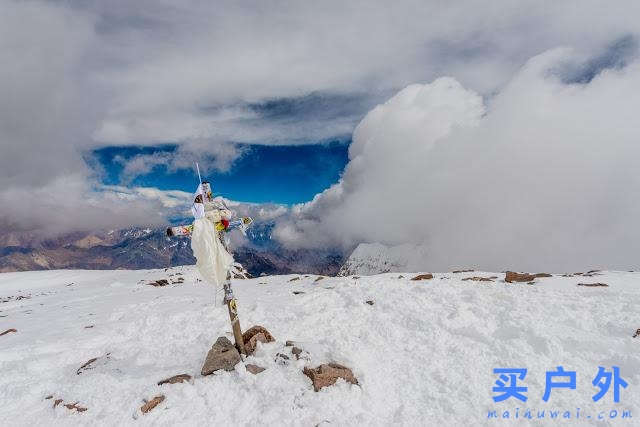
x=139, y=248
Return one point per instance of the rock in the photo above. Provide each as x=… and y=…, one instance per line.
x=294, y=279
x=427, y=276
x=57, y=402
x=89, y=327
x=637, y=334
x=161, y=282
x=542, y=275
x=298, y=292
x=327, y=374
x=370, y=302
x=51, y=395
x=72, y=406
x=253, y=335
x=223, y=355
x=254, y=369
x=463, y=271
x=288, y=343
x=593, y=285
x=401, y=277
x=478, y=279
x=88, y=365
x=511, y=276
x=296, y=351
x=319, y=278
x=180, y=378
x=152, y=403
x=8, y=331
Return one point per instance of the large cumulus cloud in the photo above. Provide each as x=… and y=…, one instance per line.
x=541, y=176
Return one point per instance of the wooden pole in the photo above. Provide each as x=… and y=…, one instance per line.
x=233, y=316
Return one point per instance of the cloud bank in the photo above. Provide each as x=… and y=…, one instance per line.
x=542, y=176
x=81, y=75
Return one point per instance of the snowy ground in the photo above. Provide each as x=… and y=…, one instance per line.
x=423, y=353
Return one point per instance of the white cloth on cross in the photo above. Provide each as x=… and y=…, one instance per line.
x=212, y=259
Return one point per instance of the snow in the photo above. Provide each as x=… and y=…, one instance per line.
x=423, y=353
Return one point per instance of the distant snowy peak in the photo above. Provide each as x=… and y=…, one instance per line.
x=376, y=258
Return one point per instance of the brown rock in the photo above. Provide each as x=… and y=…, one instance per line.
x=427, y=276
x=319, y=278
x=296, y=351
x=294, y=279
x=288, y=343
x=57, y=402
x=180, y=378
x=152, y=403
x=637, y=334
x=254, y=369
x=327, y=374
x=8, y=331
x=370, y=302
x=253, y=335
x=72, y=406
x=86, y=365
x=478, y=279
x=511, y=276
x=223, y=355
x=593, y=285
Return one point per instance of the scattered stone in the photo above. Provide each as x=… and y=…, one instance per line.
x=57, y=402
x=478, y=279
x=179, y=280
x=355, y=277
x=223, y=355
x=148, y=406
x=463, y=271
x=370, y=302
x=531, y=283
x=298, y=292
x=542, y=275
x=593, y=285
x=427, y=276
x=401, y=277
x=254, y=369
x=319, y=278
x=253, y=335
x=161, y=282
x=8, y=331
x=327, y=374
x=86, y=366
x=296, y=351
x=88, y=327
x=593, y=271
x=637, y=334
x=288, y=343
x=51, y=395
x=72, y=406
x=294, y=279
x=180, y=378
x=511, y=276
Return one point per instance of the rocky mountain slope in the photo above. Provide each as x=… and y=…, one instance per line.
x=144, y=248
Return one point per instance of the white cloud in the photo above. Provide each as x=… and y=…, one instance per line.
x=76, y=76
x=546, y=179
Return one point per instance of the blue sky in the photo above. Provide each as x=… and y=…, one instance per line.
x=280, y=174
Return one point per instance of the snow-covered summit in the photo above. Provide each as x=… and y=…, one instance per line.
x=423, y=351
